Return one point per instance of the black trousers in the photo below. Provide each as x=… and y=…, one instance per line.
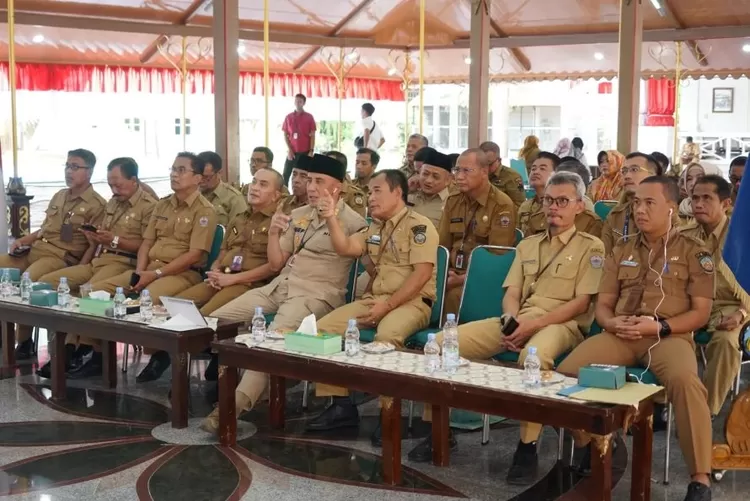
x=289, y=165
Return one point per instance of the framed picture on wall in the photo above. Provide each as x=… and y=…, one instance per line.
x=723, y=100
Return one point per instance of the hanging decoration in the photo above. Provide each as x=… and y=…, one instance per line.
x=340, y=65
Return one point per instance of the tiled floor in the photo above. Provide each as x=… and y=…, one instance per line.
x=103, y=445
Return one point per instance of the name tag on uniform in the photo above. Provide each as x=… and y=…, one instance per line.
x=162, y=218
x=375, y=239
x=457, y=220
x=629, y=264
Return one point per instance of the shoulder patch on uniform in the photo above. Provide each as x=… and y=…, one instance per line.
x=419, y=228
x=420, y=233
x=203, y=221
x=705, y=261
x=504, y=220
x=596, y=261
x=359, y=200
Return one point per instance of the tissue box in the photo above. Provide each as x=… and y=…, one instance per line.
x=43, y=298
x=41, y=286
x=322, y=344
x=94, y=306
x=15, y=274
x=609, y=377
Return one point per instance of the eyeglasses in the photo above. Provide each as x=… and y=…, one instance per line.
x=75, y=167
x=632, y=169
x=180, y=170
x=561, y=202
x=256, y=161
x=462, y=170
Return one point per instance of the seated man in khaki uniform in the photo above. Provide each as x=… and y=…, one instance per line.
x=226, y=199
x=619, y=225
x=434, y=182
x=298, y=198
x=175, y=246
x=549, y=290
x=115, y=245
x=58, y=243
x=415, y=143
x=480, y=214
x=640, y=285
x=711, y=198
x=504, y=178
x=313, y=277
x=402, y=246
x=261, y=158
x=367, y=162
x=531, y=215
x=351, y=194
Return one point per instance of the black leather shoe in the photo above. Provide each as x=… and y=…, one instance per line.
x=525, y=464
x=698, y=492
x=376, y=439
x=212, y=371
x=422, y=453
x=584, y=465
x=159, y=362
x=25, y=350
x=91, y=368
x=341, y=414
x=46, y=370
x=660, y=417
x=80, y=356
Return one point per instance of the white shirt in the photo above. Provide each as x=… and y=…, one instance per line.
x=375, y=136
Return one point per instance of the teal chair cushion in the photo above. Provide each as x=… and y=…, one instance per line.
x=603, y=207
x=418, y=340
x=702, y=337
x=270, y=317
x=215, y=246
x=366, y=335
x=530, y=193
x=519, y=166
x=483, y=293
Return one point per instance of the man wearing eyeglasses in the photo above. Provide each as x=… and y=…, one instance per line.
x=59, y=242
x=226, y=199
x=261, y=158
x=619, y=225
x=480, y=214
x=434, y=185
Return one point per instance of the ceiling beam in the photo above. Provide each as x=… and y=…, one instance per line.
x=150, y=51
x=518, y=56
x=700, y=57
x=299, y=63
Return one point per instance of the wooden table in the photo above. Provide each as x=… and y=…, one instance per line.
x=602, y=421
x=111, y=332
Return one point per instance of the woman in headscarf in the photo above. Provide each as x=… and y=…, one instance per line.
x=530, y=151
x=577, y=143
x=688, y=178
x=608, y=186
x=563, y=148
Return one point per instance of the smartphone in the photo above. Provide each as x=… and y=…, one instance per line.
x=21, y=251
x=510, y=326
x=134, y=278
x=89, y=227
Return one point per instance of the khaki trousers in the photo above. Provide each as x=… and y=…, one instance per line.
x=209, y=299
x=395, y=328
x=723, y=363
x=452, y=301
x=482, y=340
x=289, y=314
x=37, y=264
x=673, y=362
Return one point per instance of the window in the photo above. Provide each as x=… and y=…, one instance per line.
x=490, y=137
x=178, y=129
x=133, y=124
x=463, y=127
x=443, y=138
x=428, y=123
x=541, y=121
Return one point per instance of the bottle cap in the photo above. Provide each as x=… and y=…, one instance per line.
x=118, y=290
x=63, y=280
x=145, y=293
x=352, y=322
x=532, y=350
x=26, y=274
x=451, y=317
x=431, y=336
x=258, y=310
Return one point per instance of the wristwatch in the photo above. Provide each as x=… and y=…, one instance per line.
x=743, y=312
x=664, y=329
x=115, y=242
x=159, y=273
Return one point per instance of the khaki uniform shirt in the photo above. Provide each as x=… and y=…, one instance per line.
x=355, y=198
x=246, y=240
x=290, y=203
x=363, y=184
x=315, y=270
x=531, y=219
x=619, y=225
x=467, y=223
x=430, y=206
x=396, y=246
x=178, y=227
x=88, y=208
x=408, y=169
x=552, y=271
x=128, y=220
x=509, y=182
x=688, y=271
x=228, y=202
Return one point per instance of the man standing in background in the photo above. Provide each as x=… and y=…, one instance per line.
x=299, y=133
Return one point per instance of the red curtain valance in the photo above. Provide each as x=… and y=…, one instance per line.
x=660, y=102
x=97, y=78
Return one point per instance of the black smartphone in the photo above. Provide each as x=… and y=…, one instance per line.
x=89, y=227
x=510, y=326
x=134, y=278
x=21, y=251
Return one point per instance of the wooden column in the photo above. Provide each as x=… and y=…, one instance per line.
x=629, y=74
x=227, y=87
x=479, y=74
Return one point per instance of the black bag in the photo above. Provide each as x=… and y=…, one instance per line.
x=359, y=141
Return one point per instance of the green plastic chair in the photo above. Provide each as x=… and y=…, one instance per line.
x=519, y=236
x=483, y=293
x=530, y=193
x=519, y=166
x=215, y=246
x=603, y=207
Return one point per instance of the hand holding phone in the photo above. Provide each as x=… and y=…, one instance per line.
x=20, y=251
x=509, y=325
x=134, y=279
x=89, y=227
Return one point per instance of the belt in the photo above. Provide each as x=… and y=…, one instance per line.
x=128, y=255
x=58, y=247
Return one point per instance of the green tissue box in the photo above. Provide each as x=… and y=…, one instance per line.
x=15, y=274
x=322, y=344
x=43, y=298
x=94, y=306
x=609, y=377
x=41, y=286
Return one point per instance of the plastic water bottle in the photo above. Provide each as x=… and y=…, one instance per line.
x=147, y=306
x=63, y=294
x=25, y=288
x=6, y=286
x=259, y=325
x=450, y=345
x=532, y=376
x=120, y=309
x=351, y=338
x=431, y=355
